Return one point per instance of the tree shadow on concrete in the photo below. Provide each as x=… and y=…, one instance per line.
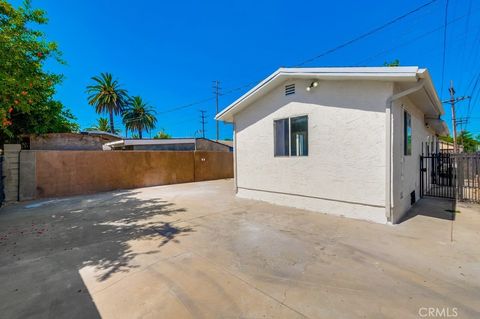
x=45, y=246
x=128, y=218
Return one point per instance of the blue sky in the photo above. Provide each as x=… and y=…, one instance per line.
x=169, y=52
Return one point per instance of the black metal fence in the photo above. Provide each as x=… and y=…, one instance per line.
x=446, y=175
x=437, y=175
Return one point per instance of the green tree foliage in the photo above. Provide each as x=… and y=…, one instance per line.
x=47, y=118
x=139, y=116
x=102, y=125
x=162, y=135
x=395, y=62
x=469, y=143
x=27, y=103
x=107, y=96
x=466, y=139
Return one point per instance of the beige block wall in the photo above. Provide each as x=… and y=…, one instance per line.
x=213, y=165
x=65, y=173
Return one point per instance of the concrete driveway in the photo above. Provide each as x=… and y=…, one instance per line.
x=196, y=251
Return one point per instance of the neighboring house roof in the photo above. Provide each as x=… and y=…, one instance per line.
x=103, y=134
x=167, y=141
x=136, y=142
x=430, y=102
x=226, y=142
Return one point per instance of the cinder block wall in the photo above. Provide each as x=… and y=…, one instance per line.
x=65, y=141
x=10, y=171
x=64, y=173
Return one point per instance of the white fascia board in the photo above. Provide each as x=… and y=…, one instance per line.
x=223, y=114
x=116, y=143
x=352, y=70
x=394, y=74
x=159, y=141
x=431, y=91
x=397, y=77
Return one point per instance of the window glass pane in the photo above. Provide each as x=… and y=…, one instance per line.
x=299, y=136
x=281, y=137
x=407, y=134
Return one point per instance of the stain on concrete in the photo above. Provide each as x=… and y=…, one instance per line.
x=195, y=251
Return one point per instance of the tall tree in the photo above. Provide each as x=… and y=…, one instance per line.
x=466, y=139
x=27, y=103
x=469, y=143
x=162, y=135
x=139, y=116
x=102, y=125
x=107, y=96
x=393, y=63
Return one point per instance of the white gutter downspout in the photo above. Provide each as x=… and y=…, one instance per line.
x=389, y=149
x=235, y=175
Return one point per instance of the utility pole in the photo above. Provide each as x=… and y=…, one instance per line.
x=216, y=91
x=452, y=102
x=203, y=119
x=454, y=120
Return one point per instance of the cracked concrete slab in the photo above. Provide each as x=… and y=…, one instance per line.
x=196, y=251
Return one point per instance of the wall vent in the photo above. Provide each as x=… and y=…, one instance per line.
x=413, y=198
x=289, y=89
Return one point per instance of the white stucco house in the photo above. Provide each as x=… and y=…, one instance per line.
x=343, y=141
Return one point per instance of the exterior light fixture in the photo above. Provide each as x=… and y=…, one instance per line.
x=312, y=85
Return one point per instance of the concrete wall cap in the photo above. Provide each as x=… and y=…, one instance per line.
x=12, y=147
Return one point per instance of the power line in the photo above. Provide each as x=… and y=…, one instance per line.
x=471, y=60
x=178, y=108
x=444, y=44
x=174, y=109
x=473, y=98
x=467, y=28
x=455, y=120
x=421, y=36
x=181, y=107
x=367, y=34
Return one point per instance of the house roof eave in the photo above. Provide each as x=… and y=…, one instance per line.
x=394, y=74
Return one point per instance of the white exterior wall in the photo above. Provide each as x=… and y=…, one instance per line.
x=343, y=174
x=406, y=169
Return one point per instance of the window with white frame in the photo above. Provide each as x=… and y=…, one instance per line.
x=291, y=136
x=407, y=133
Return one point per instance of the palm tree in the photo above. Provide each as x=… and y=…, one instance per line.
x=139, y=116
x=102, y=125
x=107, y=96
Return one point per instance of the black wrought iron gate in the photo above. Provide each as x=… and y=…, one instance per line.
x=455, y=176
x=437, y=175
